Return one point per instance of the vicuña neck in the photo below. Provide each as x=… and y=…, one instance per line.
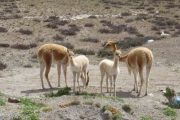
x=116, y=61
x=72, y=61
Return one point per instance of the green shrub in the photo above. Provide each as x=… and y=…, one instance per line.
x=2, y=102
x=146, y=118
x=60, y=92
x=169, y=112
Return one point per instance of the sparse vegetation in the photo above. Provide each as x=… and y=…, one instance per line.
x=25, y=31
x=30, y=109
x=88, y=25
x=2, y=102
x=170, y=112
x=23, y=46
x=85, y=51
x=2, y=29
x=58, y=37
x=60, y=92
x=133, y=42
x=4, y=45
x=93, y=40
x=104, y=53
x=170, y=94
x=126, y=14
x=67, y=44
x=146, y=118
x=72, y=30
x=2, y=66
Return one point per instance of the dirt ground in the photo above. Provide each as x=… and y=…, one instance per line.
x=21, y=76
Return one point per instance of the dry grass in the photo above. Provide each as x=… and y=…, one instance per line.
x=2, y=29
x=25, y=31
x=23, y=46
x=2, y=66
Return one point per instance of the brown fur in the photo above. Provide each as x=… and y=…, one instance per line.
x=49, y=53
x=136, y=59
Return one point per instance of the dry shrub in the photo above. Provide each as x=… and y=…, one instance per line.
x=52, y=25
x=67, y=44
x=72, y=30
x=88, y=25
x=58, y=38
x=25, y=31
x=2, y=29
x=2, y=66
x=85, y=51
x=92, y=17
x=23, y=46
x=4, y=45
x=126, y=14
x=94, y=40
x=104, y=53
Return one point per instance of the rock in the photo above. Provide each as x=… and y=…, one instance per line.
x=13, y=100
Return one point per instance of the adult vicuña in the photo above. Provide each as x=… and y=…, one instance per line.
x=49, y=53
x=79, y=66
x=136, y=60
x=110, y=69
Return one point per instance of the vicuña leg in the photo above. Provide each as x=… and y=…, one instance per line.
x=65, y=73
x=148, y=69
x=114, y=80
x=107, y=83
x=102, y=77
x=142, y=80
x=48, y=66
x=74, y=81
x=110, y=85
x=78, y=75
x=42, y=66
x=59, y=73
x=135, y=81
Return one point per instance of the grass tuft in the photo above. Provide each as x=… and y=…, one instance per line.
x=170, y=112
x=60, y=92
x=146, y=118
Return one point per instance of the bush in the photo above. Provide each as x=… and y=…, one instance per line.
x=2, y=66
x=25, y=31
x=94, y=40
x=85, y=52
x=169, y=112
x=132, y=30
x=104, y=53
x=2, y=29
x=88, y=25
x=68, y=45
x=103, y=30
x=126, y=14
x=133, y=42
x=52, y=25
x=92, y=17
x=146, y=118
x=170, y=94
x=23, y=46
x=72, y=30
x=4, y=45
x=58, y=37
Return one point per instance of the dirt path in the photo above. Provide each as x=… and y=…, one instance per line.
x=26, y=82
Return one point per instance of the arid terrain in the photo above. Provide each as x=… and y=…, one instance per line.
x=84, y=26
